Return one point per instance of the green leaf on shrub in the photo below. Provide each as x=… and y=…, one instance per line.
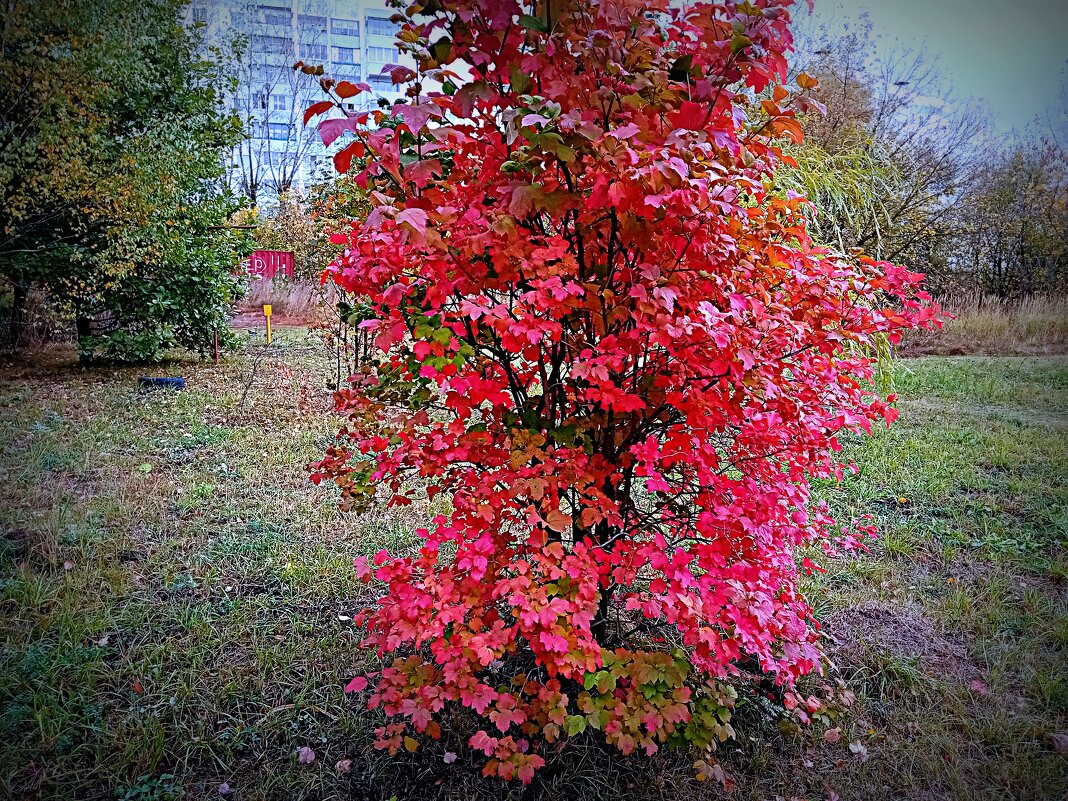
x=574, y=724
x=534, y=23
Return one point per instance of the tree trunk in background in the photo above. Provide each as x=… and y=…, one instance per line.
x=16, y=323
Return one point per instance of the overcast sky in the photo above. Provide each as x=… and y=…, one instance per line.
x=1012, y=54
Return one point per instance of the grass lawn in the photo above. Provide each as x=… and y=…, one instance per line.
x=174, y=599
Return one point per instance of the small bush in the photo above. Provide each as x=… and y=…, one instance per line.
x=611, y=344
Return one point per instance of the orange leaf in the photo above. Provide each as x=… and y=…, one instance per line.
x=771, y=109
x=347, y=89
x=557, y=520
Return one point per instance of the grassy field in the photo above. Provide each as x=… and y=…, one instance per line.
x=174, y=599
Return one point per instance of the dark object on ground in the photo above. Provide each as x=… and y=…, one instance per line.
x=167, y=383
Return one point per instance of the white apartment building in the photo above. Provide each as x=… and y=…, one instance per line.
x=352, y=39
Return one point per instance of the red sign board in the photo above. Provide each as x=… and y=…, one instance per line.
x=268, y=263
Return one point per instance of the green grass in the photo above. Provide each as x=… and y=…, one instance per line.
x=174, y=597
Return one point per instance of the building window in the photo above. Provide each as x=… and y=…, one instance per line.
x=348, y=72
x=382, y=55
x=344, y=27
x=271, y=44
x=380, y=81
x=313, y=51
x=275, y=16
x=259, y=100
x=379, y=27
x=279, y=103
x=200, y=13
x=279, y=130
x=346, y=55
x=279, y=79
x=311, y=24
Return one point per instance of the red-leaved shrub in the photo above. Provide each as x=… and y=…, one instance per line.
x=609, y=342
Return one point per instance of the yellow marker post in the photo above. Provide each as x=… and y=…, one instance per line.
x=267, y=314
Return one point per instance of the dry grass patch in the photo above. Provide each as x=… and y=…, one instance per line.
x=982, y=325
x=296, y=302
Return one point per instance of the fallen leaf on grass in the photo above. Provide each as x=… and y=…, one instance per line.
x=831, y=736
x=449, y=757
x=68, y=565
x=1060, y=742
x=305, y=755
x=979, y=687
x=715, y=771
x=343, y=766
x=859, y=750
x=225, y=789
x=358, y=684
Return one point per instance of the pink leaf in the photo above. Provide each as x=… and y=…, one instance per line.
x=330, y=130
x=415, y=219
x=362, y=568
x=416, y=116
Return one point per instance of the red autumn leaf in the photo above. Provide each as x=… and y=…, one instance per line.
x=347, y=89
x=690, y=115
x=317, y=108
x=343, y=158
x=422, y=172
x=399, y=73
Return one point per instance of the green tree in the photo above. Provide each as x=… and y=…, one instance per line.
x=112, y=136
x=1011, y=238
x=893, y=155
